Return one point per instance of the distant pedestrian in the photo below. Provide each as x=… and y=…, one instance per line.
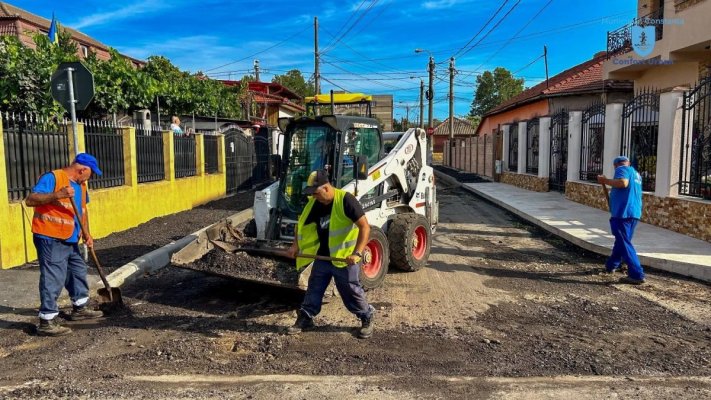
x=56, y=233
x=332, y=224
x=625, y=212
x=175, y=126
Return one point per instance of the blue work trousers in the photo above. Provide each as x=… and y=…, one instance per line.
x=623, y=250
x=61, y=266
x=347, y=282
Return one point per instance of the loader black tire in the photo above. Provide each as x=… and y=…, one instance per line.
x=250, y=230
x=410, y=238
x=376, y=258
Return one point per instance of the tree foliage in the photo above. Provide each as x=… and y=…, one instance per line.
x=120, y=87
x=493, y=89
x=295, y=82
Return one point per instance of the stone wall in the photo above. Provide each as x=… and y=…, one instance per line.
x=687, y=216
x=528, y=182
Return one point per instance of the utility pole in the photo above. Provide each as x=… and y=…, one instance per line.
x=317, y=75
x=256, y=70
x=422, y=104
x=451, y=109
x=430, y=98
x=545, y=59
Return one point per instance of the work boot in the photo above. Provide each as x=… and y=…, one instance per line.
x=303, y=322
x=366, y=328
x=50, y=327
x=631, y=281
x=82, y=313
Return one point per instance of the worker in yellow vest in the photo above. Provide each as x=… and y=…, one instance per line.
x=332, y=224
x=56, y=233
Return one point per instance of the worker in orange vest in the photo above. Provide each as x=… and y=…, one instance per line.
x=56, y=233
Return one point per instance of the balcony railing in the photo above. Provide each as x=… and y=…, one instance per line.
x=620, y=40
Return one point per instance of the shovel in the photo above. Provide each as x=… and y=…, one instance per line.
x=607, y=195
x=109, y=296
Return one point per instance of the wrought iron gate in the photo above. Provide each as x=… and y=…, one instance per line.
x=640, y=130
x=593, y=142
x=260, y=173
x=695, y=166
x=558, y=171
x=513, y=147
x=239, y=154
x=532, y=140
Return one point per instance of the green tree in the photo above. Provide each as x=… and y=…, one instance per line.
x=295, y=82
x=493, y=89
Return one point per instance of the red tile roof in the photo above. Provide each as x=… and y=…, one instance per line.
x=582, y=78
x=461, y=127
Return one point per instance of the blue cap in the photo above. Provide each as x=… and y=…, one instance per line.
x=88, y=160
x=620, y=159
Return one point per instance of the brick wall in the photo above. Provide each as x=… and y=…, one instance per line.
x=683, y=215
x=528, y=182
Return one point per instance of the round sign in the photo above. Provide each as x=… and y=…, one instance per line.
x=430, y=131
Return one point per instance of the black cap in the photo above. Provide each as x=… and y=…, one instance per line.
x=316, y=179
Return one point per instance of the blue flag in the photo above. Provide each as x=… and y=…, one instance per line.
x=53, y=34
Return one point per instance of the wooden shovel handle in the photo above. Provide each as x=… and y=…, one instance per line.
x=85, y=233
x=607, y=195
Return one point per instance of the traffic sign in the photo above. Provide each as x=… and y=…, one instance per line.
x=83, y=84
x=430, y=131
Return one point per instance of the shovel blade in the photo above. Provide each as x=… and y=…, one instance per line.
x=112, y=296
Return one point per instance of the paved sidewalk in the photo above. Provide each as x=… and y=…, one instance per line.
x=589, y=228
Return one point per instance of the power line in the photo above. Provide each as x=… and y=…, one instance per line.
x=260, y=52
x=492, y=28
x=345, y=23
x=360, y=17
x=482, y=28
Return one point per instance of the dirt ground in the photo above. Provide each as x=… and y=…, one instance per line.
x=502, y=311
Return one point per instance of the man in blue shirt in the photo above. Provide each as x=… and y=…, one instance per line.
x=625, y=212
x=56, y=233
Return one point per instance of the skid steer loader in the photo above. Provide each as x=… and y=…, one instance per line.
x=397, y=191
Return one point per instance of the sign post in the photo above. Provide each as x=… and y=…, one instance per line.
x=73, y=87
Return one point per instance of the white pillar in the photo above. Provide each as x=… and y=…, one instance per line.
x=522, y=137
x=669, y=143
x=575, y=134
x=613, y=135
x=544, y=147
x=506, y=141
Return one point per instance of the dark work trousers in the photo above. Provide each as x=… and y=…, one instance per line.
x=61, y=266
x=348, y=285
x=623, y=250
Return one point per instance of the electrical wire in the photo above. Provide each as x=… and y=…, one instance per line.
x=482, y=28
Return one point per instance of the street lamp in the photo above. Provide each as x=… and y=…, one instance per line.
x=430, y=97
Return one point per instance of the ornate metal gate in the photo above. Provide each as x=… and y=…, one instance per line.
x=695, y=166
x=532, y=140
x=558, y=171
x=239, y=154
x=640, y=130
x=593, y=142
x=513, y=147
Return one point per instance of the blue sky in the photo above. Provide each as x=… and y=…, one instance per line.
x=375, y=53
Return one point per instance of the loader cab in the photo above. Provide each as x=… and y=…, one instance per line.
x=325, y=142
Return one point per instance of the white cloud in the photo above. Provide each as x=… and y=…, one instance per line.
x=128, y=11
x=441, y=4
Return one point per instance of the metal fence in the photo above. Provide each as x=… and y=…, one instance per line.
x=32, y=147
x=592, y=143
x=640, y=133
x=211, y=154
x=695, y=165
x=239, y=160
x=513, y=147
x=184, y=148
x=532, y=139
x=149, y=154
x=104, y=141
x=558, y=173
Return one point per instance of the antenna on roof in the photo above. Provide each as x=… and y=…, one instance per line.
x=545, y=60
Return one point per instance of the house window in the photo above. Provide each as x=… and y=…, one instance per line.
x=84, y=51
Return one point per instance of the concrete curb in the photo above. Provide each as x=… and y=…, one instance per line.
x=678, y=267
x=159, y=258
x=447, y=179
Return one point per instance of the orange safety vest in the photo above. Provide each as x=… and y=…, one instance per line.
x=56, y=219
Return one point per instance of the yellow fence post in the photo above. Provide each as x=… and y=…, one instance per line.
x=4, y=201
x=199, y=154
x=221, y=160
x=129, y=156
x=80, y=137
x=169, y=155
